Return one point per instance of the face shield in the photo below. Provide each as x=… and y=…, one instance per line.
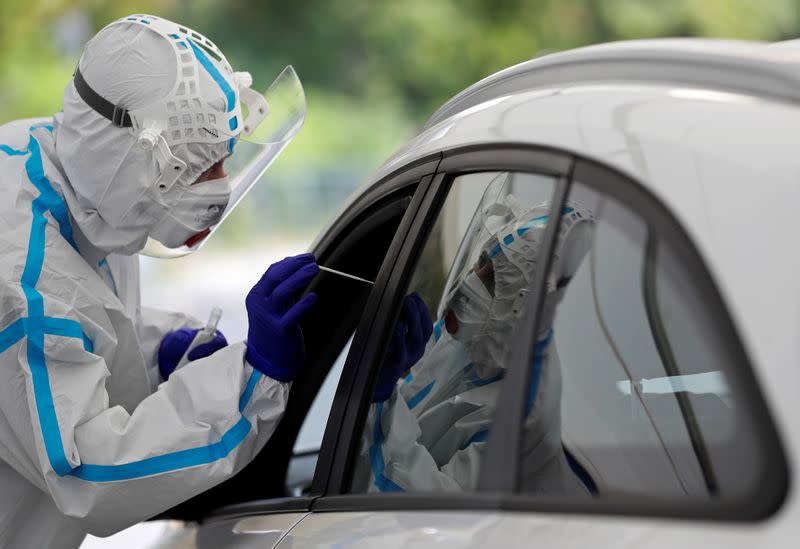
x=470, y=286
x=494, y=268
x=497, y=208
x=270, y=121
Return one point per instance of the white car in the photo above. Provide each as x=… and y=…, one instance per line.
x=677, y=328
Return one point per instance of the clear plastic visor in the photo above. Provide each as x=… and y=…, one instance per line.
x=252, y=150
x=491, y=214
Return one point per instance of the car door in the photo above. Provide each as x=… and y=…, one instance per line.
x=624, y=389
x=274, y=492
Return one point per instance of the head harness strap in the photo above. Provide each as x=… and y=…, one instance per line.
x=118, y=115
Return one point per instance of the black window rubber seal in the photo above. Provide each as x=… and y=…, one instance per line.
x=329, y=474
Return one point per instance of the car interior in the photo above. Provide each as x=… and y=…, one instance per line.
x=356, y=245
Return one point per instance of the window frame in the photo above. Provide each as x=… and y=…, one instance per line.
x=337, y=455
x=498, y=486
x=375, y=329
x=328, y=469
x=667, y=356
x=380, y=195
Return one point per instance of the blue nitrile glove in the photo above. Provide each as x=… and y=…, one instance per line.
x=174, y=345
x=274, y=339
x=411, y=333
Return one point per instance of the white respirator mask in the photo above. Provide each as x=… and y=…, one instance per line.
x=195, y=209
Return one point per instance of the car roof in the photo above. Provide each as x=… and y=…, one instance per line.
x=769, y=70
x=761, y=70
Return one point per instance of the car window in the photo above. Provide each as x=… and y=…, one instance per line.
x=309, y=438
x=629, y=394
x=432, y=405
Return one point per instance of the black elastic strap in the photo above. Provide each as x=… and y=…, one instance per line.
x=118, y=115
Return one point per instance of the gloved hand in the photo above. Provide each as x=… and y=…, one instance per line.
x=174, y=345
x=411, y=333
x=274, y=339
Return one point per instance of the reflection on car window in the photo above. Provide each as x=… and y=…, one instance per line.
x=646, y=404
x=437, y=389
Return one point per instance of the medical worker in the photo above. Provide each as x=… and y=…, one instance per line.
x=95, y=433
x=428, y=432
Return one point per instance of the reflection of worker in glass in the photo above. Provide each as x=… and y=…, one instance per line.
x=434, y=427
x=101, y=426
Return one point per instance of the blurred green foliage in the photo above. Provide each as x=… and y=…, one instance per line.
x=373, y=70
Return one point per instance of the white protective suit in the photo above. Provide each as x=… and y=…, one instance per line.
x=91, y=439
x=433, y=429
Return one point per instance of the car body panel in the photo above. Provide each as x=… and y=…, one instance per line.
x=261, y=531
x=479, y=530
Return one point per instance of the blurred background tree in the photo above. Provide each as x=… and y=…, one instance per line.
x=374, y=71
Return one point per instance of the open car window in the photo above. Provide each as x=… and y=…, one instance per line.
x=309, y=439
x=357, y=244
